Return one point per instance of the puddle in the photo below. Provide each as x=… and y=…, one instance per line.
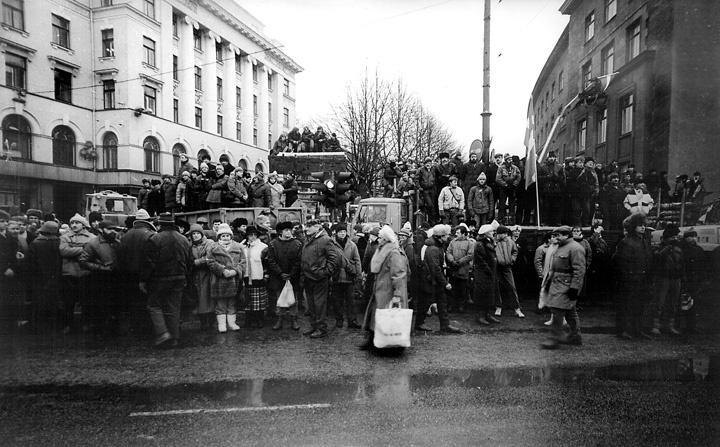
x=385, y=386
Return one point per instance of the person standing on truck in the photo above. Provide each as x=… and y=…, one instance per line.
x=426, y=182
x=169, y=189
x=551, y=181
x=481, y=204
x=469, y=173
x=318, y=261
x=277, y=191
x=290, y=189
x=142, y=198
x=259, y=192
x=219, y=186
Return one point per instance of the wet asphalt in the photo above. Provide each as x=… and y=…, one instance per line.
x=490, y=386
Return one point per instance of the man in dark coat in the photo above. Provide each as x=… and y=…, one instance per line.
x=156, y=199
x=169, y=189
x=427, y=183
x=551, y=181
x=611, y=203
x=283, y=265
x=290, y=189
x=8, y=272
x=44, y=266
x=485, y=291
x=434, y=283
x=318, y=261
x=164, y=269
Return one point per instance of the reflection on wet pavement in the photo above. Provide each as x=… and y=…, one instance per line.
x=385, y=387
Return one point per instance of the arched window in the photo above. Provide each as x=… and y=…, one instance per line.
x=152, y=154
x=63, y=146
x=16, y=137
x=110, y=143
x=177, y=150
x=259, y=167
x=203, y=155
x=243, y=164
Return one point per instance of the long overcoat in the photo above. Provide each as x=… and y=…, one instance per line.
x=567, y=271
x=390, y=282
x=485, y=273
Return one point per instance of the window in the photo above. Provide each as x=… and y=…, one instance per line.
x=198, y=78
x=601, y=128
x=255, y=73
x=238, y=97
x=108, y=43
x=106, y=3
x=177, y=150
x=152, y=154
x=219, y=89
x=203, y=155
x=149, y=51
x=270, y=119
x=63, y=85
x=608, y=60
x=286, y=87
x=270, y=140
x=175, y=68
x=197, y=39
x=63, y=139
x=219, y=125
x=561, y=81
x=586, y=72
x=198, y=118
x=238, y=131
x=175, y=25
x=176, y=111
x=626, y=114
x=13, y=15
x=218, y=52
x=108, y=94
x=254, y=136
x=255, y=109
x=552, y=91
x=150, y=8
x=610, y=9
x=286, y=117
x=15, y=71
x=633, y=40
x=270, y=82
x=17, y=137
x=150, y=98
x=238, y=63
x=110, y=144
x=547, y=100
x=582, y=135
x=590, y=26
x=61, y=31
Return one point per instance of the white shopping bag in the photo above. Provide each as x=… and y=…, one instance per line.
x=287, y=296
x=392, y=327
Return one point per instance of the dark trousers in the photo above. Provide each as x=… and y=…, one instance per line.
x=582, y=212
x=429, y=204
x=632, y=300
x=317, y=297
x=571, y=315
x=342, y=301
x=550, y=208
x=103, y=300
x=164, y=300
x=459, y=293
x=506, y=286
x=73, y=291
x=428, y=295
x=506, y=195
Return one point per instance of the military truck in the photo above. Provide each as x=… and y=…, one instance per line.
x=112, y=205
x=227, y=215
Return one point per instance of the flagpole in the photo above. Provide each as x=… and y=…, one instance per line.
x=537, y=199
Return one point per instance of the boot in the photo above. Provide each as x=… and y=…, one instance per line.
x=222, y=323
x=656, y=327
x=671, y=328
x=294, y=323
x=279, y=323
x=259, y=319
x=231, y=322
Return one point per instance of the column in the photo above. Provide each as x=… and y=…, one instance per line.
x=186, y=75
x=248, y=89
x=278, y=104
x=263, y=98
x=229, y=83
x=209, y=82
x=165, y=100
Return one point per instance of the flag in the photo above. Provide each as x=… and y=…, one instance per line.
x=605, y=80
x=531, y=155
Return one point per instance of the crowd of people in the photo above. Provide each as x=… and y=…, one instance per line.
x=576, y=192
x=146, y=273
x=306, y=141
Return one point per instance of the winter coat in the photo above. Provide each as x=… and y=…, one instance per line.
x=434, y=260
x=696, y=265
x=318, y=259
x=71, y=247
x=481, y=200
x=284, y=257
x=290, y=189
x=277, y=197
x=669, y=261
x=426, y=178
x=166, y=256
x=588, y=251
x=450, y=198
x=201, y=275
x=459, y=257
x=44, y=268
x=169, y=191
x=508, y=176
x=219, y=186
x=551, y=178
x=507, y=252
x=236, y=186
x=354, y=265
x=261, y=195
x=633, y=258
x=8, y=254
x=485, y=273
x=156, y=202
x=255, y=260
x=539, y=258
x=611, y=201
x=142, y=199
x=130, y=251
x=203, y=185
x=99, y=255
x=220, y=259
x=412, y=277
x=367, y=255
x=181, y=193
x=187, y=166
x=567, y=271
x=443, y=173
x=469, y=173
x=587, y=184
x=638, y=201
x=390, y=267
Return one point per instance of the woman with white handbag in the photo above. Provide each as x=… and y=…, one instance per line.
x=387, y=318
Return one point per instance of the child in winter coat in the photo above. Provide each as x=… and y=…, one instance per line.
x=226, y=260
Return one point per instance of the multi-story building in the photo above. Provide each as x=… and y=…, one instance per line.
x=99, y=94
x=662, y=108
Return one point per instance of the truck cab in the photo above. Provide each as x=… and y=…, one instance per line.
x=380, y=211
x=112, y=205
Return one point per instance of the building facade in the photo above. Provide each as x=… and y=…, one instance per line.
x=100, y=94
x=662, y=108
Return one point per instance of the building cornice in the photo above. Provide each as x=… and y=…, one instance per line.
x=4, y=43
x=57, y=61
x=569, y=6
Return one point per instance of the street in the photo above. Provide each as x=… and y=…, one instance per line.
x=260, y=387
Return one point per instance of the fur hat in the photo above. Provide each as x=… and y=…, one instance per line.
x=442, y=155
x=340, y=227
x=33, y=212
x=286, y=225
x=49, y=227
x=252, y=229
x=94, y=217
x=440, y=230
x=387, y=233
x=78, y=218
x=4, y=215
x=502, y=229
x=224, y=229
x=670, y=231
x=634, y=220
x=142, y=215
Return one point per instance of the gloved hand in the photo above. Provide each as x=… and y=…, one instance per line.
x=573, y=294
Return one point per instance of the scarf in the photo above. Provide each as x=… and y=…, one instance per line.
x=379, y=257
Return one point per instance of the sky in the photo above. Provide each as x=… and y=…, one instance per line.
x=434, y=46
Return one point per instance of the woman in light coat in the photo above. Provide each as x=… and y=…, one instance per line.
x=390, y=267
x=227, y=262
x=201, y=275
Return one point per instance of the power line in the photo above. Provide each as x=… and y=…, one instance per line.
x=407, y=12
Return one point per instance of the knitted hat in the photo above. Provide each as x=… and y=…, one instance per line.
x=388, y=234
x=78, y=218
x=224, y=229
x=482, y=176
x=197, y=228
x=405, y=232
x=142, y=215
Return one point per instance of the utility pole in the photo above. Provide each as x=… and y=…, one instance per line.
x=486, y=86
